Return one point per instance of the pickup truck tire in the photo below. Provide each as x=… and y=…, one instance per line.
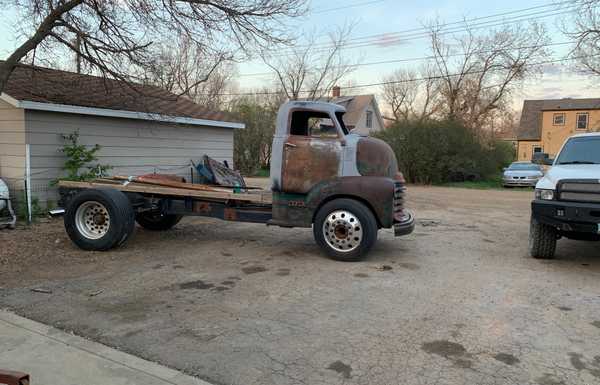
x=542, y=240
x=345, y=229
x=99, y=219
x=157, y=221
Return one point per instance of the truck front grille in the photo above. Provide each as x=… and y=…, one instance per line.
x=580, y=191
x=399, y=189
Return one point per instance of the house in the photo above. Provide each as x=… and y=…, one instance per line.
x=141, y=129
x=362, y=112
x=546, y=124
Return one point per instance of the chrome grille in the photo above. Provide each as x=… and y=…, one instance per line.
x=399, y=189
x=580, y=191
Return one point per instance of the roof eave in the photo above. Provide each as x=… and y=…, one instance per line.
x=70, y=109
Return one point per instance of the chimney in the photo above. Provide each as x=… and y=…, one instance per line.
x=335, y=92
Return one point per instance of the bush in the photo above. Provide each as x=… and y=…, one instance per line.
x=79, y=158
x=433, y=152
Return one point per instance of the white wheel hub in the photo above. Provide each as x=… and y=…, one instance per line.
x=343, y=231
x=92, y=220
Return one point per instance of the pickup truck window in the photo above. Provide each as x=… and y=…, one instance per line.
x=585, y=150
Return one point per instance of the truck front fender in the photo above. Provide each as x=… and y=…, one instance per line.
x=377, y=193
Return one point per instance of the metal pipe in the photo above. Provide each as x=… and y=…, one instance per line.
x=28, y=180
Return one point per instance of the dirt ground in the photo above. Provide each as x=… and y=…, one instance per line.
x=248, y=304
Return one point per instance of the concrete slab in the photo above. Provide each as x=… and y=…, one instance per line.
x=54, y=357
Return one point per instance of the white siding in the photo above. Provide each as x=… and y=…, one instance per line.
x=132, y=147
x=361, y=124
x=12, y=145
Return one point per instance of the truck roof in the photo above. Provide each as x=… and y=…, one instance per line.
x=315, y=104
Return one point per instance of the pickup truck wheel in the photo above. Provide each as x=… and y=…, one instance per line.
x=345, y=229
x=157, y=221
x=542, y=240
x=99, y=219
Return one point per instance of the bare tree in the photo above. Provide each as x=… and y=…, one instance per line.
x=310, y=71
x=411, y=95
x=184, y=69
x=478, y=73
x=585, y=31
x=117, y=37
x=252, y=145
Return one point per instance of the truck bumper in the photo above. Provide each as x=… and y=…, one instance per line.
x=568, y=217
x=406, y=225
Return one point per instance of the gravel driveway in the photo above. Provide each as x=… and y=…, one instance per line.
x=456, y=302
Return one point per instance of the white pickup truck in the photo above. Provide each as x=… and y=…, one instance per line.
x=567, y=198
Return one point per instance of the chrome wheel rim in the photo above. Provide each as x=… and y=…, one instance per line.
x=343, y=231
x=92, y=220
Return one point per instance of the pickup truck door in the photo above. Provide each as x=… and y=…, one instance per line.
x=311, y=153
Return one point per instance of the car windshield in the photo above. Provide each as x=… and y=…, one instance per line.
x=524, y=166
x=585, y=150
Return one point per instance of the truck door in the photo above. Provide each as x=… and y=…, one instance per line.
x=312, y=151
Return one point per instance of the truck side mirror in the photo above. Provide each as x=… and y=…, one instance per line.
x=548, y=161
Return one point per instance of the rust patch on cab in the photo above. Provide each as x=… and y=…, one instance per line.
x=308, y=161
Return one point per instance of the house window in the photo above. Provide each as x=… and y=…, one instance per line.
x=582, y=121
x=537, y=150
x=369, y=119
x=559, y=119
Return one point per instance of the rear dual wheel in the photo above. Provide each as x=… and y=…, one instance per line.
x=345, y=229
x=99, y=219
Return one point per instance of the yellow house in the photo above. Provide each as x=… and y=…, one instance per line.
x=546, y=124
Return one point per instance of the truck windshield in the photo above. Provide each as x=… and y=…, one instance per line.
x=584, y=150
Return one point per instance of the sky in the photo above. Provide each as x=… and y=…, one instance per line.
x=389, y=19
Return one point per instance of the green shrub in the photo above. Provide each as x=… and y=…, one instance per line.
x=21, y=210
x=432, y=152
x=79, y=158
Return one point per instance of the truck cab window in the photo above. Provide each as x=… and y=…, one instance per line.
x=311, y=123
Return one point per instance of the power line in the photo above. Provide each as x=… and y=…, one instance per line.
x=412, y=80
x=347, y=6
x=423, y=58
x=389, y=38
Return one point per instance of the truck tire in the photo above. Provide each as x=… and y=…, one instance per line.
x=345, y=229
x=99, y=219
x=542, y=240
x=157, y=221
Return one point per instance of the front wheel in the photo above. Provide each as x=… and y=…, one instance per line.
x=542, y=240
x=346, y=229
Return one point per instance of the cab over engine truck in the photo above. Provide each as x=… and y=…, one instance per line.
x=346, y=186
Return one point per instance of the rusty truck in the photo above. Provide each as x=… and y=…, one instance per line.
x=344, y=185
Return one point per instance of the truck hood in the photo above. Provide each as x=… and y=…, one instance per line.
x=374, y=157
x=568, y=171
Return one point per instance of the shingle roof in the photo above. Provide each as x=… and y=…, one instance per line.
x=44, y=85
x=530, y=126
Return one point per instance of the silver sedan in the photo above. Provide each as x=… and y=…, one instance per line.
x=522, y=174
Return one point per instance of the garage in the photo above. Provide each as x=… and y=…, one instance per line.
x=141, y=129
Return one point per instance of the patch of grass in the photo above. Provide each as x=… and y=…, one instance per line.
x=262, y=173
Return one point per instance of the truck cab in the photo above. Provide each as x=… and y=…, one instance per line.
x=317, y=163
x=567, y=198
